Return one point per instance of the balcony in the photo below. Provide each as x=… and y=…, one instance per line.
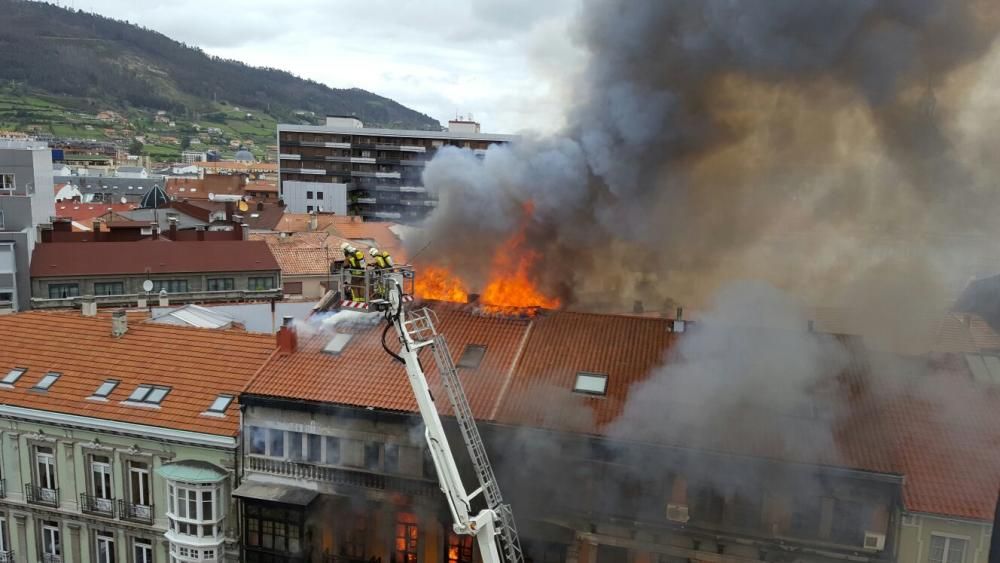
x=140, y=513
x=7, y=556
x=41, y=495
x=97, y=506
x=51, y=558
x=342, y=476
x=233, y=295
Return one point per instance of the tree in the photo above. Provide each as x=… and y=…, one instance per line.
x=135, y=147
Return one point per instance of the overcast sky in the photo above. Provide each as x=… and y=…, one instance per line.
x=504, y=61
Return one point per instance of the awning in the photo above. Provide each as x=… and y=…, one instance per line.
x=275, y=493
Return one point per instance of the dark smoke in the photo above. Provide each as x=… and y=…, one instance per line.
x=804, y=142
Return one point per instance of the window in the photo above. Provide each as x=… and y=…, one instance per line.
x=459, y=548
x=260, y=284
x=591, y=383
x=109, y=288
x=472, y=356
x=13, y=375
x=105, y=547
x=106, y=388
x=332, y=450
x=273, y=529
x=295, y=446
x=354, y=538
x=1, y=219
x=6, y=182
x=138, y=483
x=292, y=288
x=51, y=541
x=45, y=472
x=309, y=195
x=220, y=404
x=221, y=284
x=319, y=195
x=392, y=458
x=258, y=440
x=4, y=535
x=276, y=443
x=947, y=550
x=309, y=209
x=372, y=456
x=170, y=286
x=100, y=477
x=848, y=517
x=46, y=381
x=63, y=290
x=148, y=394
x=142, y=551
x=406, y=538
x=314, y=448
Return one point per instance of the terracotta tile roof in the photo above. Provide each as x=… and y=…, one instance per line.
x=270, y=186
x=352, y=227
x=87, y=212
x=931, y=423
x=238, y=166
x=303, y=261
x=199, y=188
x=327, y=243
x=197, y=364
x=154, y=256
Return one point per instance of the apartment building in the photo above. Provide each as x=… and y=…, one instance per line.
x=343, y=166
x=65, y=274
x=119, y=439
x=335, y=467
x=26, y=201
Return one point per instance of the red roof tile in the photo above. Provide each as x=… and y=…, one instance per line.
x=197, y=364
x=86, y=212
x=153, y=256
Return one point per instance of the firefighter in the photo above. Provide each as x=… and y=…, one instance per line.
x=354, y=262
x=381, y=259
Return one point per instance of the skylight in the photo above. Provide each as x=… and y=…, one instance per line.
x=106, y=388
x=148, y=394
x=13, y=375
x=337, y=344
x=220, y=404
x=591, y=383
x=46, y=381
x=985, y=368
x=472, y=356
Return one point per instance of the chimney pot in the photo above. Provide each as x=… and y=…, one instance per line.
x=88, y=306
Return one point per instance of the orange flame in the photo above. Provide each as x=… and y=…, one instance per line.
x=437, y=283
x=510, y=284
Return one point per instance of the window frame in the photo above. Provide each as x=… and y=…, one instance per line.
x=254, y=283
x=51, y=464
x=227, y=284
x=590, y=374
x=945, y=553
x=118, y=286
x=212, y=409
x=472, y=357
x=147, y=546
x=67, y=290
x=107, y=538
x=142, y=475
x=194, y=497
x=114, y=383
x=11, y=378
x=107, y=474
x=172, y=286
x=55, y=535
x=49, y=379
x=8, y=181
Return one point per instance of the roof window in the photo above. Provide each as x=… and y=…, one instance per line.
x=472, y=356
x=106, y=388
x=148, y=394
x=985, y=369
x=591, y=383
x=46, y=381
x=220, y=404
x=13, y=375
x=337, y=344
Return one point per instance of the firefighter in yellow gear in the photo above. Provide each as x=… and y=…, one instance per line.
x=381, y=259
x=354, y=261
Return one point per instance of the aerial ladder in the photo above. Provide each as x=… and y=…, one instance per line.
x=493, y=526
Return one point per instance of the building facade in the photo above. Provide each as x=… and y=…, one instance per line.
x=124, y=456
x=375, y=173
x=332, y=445
x=26, y=202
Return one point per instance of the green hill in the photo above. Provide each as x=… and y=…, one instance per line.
x=59, y=67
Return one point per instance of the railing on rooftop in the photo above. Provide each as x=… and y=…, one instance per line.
x=341, y=476
x=153, y=298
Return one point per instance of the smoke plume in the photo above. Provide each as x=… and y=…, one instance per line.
x=802, y=142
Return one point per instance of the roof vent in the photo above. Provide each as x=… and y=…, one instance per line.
x=337, y=344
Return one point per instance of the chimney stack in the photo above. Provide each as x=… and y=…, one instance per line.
x=200, y=232
x=88, y=306
x=313, y=221
x=288, y=340
x=173, y=227
x=119, y=323
x=244, y=231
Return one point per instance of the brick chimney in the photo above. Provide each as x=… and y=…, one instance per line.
x=288, y=340
x=173, y=226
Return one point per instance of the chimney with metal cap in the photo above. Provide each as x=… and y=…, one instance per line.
x=288, y=340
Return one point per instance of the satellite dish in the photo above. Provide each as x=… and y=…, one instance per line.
x=211, y=196
x=147, y=286
x=243, y=206
x=124, y=200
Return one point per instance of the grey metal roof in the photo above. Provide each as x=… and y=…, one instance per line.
x=131, y=169
x=184, y=221
x=448, y=135
x=113, y=184
x=256, y=317
x=196, y=316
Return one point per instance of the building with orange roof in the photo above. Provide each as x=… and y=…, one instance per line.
x=120, y=437
x=600, y=460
